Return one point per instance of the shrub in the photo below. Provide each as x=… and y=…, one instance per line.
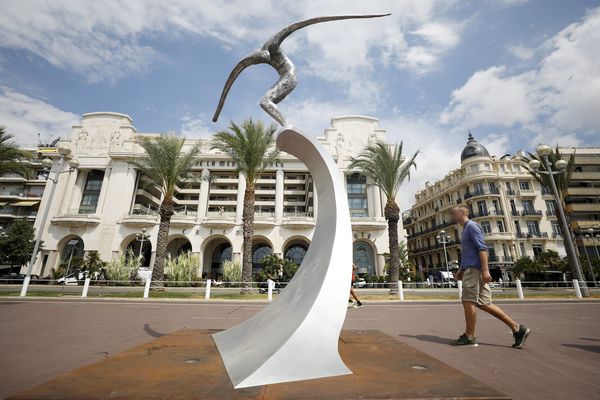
x=232, y=271
x=184, y=268
x=123, y=268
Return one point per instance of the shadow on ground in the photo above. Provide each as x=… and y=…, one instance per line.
x=441, y=340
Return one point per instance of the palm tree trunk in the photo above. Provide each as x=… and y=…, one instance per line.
x=248, y=232
x=158, y=271
x=392, y=215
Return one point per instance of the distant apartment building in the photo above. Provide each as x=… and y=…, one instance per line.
x=517, y=215
x=583, y=197
x=105, y=202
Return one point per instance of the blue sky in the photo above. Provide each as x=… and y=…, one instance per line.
x=515, y=72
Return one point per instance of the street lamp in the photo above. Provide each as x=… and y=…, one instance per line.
x=543, y=152
x=141, y=237
x=47, y=164
x=443, y=238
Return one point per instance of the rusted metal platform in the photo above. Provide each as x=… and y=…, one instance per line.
x=187, y=365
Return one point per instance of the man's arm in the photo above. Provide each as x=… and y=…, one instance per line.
x=485, y=269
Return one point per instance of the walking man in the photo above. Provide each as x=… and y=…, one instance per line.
x=358, y=304
x=475, y=275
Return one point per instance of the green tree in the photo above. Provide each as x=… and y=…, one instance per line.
x=168, y=167
x=562, y=182
x=16, y=246
x=92, y=264
x=12, y=157
x=251, y=145
x=388, y=168
x=280, y=269
x=407, y=266
x=551, y=260
x=525, y=265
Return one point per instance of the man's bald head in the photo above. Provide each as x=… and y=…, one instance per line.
x=459, y=213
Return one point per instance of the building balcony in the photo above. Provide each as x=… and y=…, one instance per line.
x=77, y=217
x=12, y=178
x=531, y=213
x=500, y=259
x=184, y=217
x=219, y=219
x=583, y=191
x=366, y=223
x=9, y=211
x=141, y=216
x=551, y=213
x=583, y=207
x=264, y=219
x=298, y=220
x=532, y=235
x=585, y=176
x=485, y=192
x=527, y=193
x=510, y=192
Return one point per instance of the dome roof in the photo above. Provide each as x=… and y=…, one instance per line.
x=473, y=149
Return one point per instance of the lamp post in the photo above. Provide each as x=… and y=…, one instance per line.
x=47, y=164
x=141, y=237
x=443, y=238
x=543, y=152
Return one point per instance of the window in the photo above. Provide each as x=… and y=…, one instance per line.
x=475, y=168
x=500, y=226
x=513, y=207
x=508, y=186
x=91, y=192
x=524, y=185
x=478, y=188
x=528, y=205
x=533, y=228
x=537, y=250
x=550, y=207
x=482, y=208
x=486, y=227
x=497, y=209
x=555, y=229
x=357, y=195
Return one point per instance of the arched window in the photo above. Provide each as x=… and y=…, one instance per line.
x=133, y=249
x=296, y=253
x=221, y=254
x=72, y=250
x=259, y=252
x=364, y=258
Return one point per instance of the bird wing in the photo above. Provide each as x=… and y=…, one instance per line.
x=280, y=36
x=255, y=57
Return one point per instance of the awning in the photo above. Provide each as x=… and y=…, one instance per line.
x=25, y=203
x=3, y=204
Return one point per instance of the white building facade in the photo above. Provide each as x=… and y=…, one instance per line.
x=105, y=203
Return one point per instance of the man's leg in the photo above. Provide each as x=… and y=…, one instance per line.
x=501, y=315
x=470, y=317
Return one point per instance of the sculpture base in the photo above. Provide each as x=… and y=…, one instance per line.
x=187, y=365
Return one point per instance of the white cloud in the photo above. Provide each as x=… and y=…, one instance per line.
x=24, y=117
x=108, y=40
x=196, y=126
x=558, y=97
x=523, y=53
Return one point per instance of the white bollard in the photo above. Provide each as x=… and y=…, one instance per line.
x=577, y=288
x=25, y=286
x=147, y=288
x=519, y=289
x=207, y=291
x=400, y=290
x=270, y=289
x=86, y=286
x=459, y=290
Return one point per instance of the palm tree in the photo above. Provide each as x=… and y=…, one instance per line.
x=168, y=167
x=388, y=169
x=11, y=157
x=251, y=145
x=562, y=182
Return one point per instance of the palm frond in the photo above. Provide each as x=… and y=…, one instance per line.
x=12, y=158
x=385, y=165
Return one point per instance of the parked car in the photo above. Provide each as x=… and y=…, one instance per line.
x=72, y=279
x=360, y=283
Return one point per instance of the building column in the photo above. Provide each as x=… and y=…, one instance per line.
x=279, y=186
x=69, y=191
x=239, y=210
x=370, y=199
x=380, y=264
x=103, y=190
x=377, y=201
x=204, y=193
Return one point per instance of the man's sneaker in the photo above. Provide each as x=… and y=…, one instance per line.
x=351, y=304
x=520, y=337
x=464, y=341
x=358, y=304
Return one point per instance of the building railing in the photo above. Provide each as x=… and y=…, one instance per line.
x=223, y=214
x=551, y=213
x=510, y=192
x=530, y=235
x=298, y=214
x=185, y=211
x=531, y=212
x=80, y=211
x=143, y=211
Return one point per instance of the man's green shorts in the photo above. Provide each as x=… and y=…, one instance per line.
x=473, y=288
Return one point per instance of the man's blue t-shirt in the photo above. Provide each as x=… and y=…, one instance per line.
x=472, y=243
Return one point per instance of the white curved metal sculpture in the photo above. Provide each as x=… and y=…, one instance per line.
x=296, y=336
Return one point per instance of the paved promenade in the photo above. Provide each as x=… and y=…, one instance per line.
x=41, y=339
